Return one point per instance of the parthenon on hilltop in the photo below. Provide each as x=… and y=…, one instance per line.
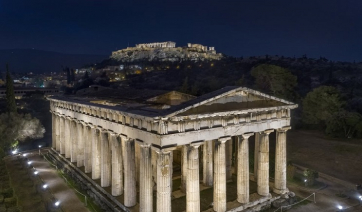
x=166, y=51
x=146, y=140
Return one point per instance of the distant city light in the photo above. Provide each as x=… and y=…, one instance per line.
x=57, y=203
x=45, y=186
x=29, y=162
x=25, y=154
x=14, y=151
x=339, y=207
x=36, y=172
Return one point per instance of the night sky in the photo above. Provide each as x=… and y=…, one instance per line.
x=328, y=28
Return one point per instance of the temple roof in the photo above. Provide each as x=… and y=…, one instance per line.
x=166, y=104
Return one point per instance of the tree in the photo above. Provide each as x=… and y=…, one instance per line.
x=275, y=80
x=10, y=96
x=16, y=128
x=185, y=86
x=345, y=124
x=320, y=105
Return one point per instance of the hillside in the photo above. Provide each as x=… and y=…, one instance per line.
x=37, y=61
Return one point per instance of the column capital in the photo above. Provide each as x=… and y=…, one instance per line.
x=111, y=133
x=224, y=139
x=267, y=131
x=284, y=129
x=163, y=149
x=196, y=144
x=247, y=135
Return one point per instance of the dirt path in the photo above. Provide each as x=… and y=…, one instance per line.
x=339, y=158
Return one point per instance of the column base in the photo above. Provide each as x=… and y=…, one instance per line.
x=280, y=191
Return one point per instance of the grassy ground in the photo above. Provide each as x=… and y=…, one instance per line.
x=25, y=187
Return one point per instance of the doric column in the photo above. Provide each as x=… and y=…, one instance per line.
x=243, y=167
x=183, y=168
x=208, y=175
x=280, y=183
x=87, y=136
x=229, y=158
x=129, y=172
x=117, y=165
x=164, y=180
x=145, y=178
x=220, y=175
x=62, y=135
x=105, y=160
x=57, y=132
x=67, y=138
x=54, y=127
x=73, y=141
x=263, y=164
x=80, y=145
x=96, y=153
x=193, y=184
x=256, y=155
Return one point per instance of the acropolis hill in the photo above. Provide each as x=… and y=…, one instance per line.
x=166, y=51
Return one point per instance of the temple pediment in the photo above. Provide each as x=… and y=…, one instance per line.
x=230, y=99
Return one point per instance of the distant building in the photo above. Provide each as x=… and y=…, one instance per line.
x=20, y=92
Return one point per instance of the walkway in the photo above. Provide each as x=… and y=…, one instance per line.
x=69, y=201
x=327, y=198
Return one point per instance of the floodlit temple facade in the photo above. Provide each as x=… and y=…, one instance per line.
x=132, y=147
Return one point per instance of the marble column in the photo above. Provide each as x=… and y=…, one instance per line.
x=263, y=164
x=280, y=183
x=67, y=138
x=229, y=158
x=208, y=176
x=243, y=167
x=54, y=127
x=87, y=136
x=256, y=155
x=57, y=132
x=220, y=175
x=145, y=178
x=164, y=180
x=105, y=160
x=193, y=182
x=96, y=153
x=130, y=199
x=73, y=141
x=80, y=145
x=62, y=135
x=117, y=165
x=183, y=168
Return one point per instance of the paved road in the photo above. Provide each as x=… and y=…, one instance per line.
x=57, y=186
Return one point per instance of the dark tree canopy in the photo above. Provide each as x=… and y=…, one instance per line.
x=275, y=80
x=10, y=96
x=321, y=104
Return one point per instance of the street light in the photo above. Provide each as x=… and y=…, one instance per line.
x=339, y=207
x=14, y=151
x=305, y=182
x=24, y=155
x=39, y=148
x=36, y=172
x=29, y=162
x=45, y=186
x=57, y=203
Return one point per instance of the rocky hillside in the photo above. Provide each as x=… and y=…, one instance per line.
x=132, y=54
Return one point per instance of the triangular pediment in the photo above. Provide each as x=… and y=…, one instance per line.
x=230, y=99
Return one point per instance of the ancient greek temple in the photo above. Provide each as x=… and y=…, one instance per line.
x=135, y=144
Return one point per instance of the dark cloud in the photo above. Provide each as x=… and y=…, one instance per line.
x=317, y=28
